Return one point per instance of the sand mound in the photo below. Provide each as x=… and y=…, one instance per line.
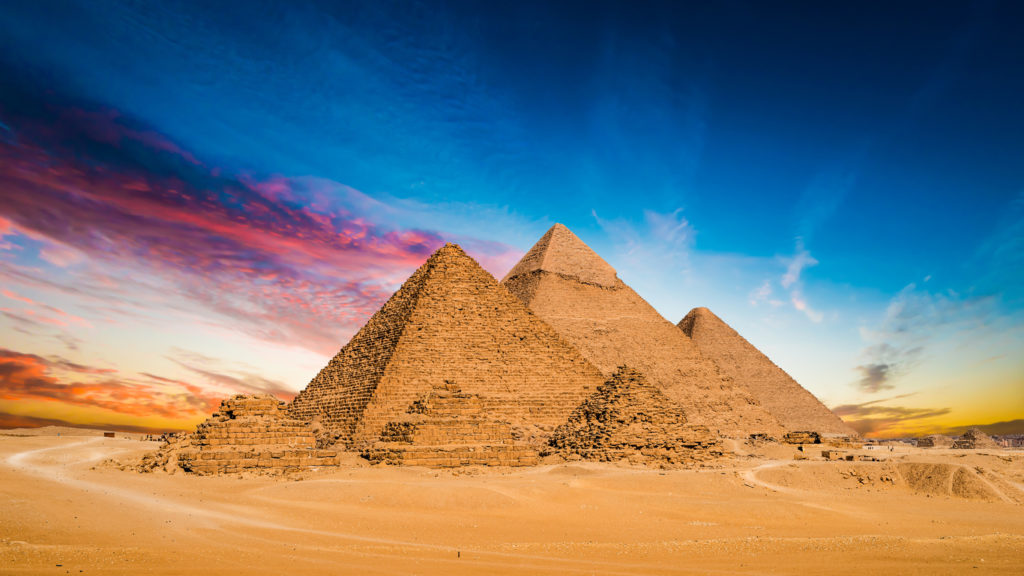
x=944, y=480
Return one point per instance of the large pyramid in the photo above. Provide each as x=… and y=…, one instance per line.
x=571, y=288
x=450, y=326
x=793, y=406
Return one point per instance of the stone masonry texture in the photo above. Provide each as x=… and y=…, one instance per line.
x=449, y=428
x=791, y=404
x=451, y=324
x=251, y=433
x=571, y=288
x=628, y=418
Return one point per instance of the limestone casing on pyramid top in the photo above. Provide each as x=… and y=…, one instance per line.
x=562, y=252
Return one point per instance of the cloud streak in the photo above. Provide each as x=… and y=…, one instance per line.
x=876, y=419
x=911, y=321
x=284, y=259
x=29, y=377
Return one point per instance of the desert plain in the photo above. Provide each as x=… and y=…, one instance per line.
x=71, y=504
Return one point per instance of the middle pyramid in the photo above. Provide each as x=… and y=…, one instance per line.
x=580, y=295
x=450, y=326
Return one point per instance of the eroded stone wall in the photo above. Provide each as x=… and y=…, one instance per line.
x=251, y=433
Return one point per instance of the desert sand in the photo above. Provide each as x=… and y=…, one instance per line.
x=66, y=509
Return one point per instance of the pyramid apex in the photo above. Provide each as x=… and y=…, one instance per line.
x=447, y=251
x=698, y=315
x=561, y=252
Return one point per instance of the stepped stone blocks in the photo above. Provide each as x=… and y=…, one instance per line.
x=792, y=405
x=449, y=428
x=571, y=288
x=252, y=434
x=974, y=439
x=628, y=418
x=935, y=441
x=451, y=322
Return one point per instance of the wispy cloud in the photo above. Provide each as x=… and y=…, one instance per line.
x=661, y=243
x=219, y=373
x=284, y=259
x=911, y=321
x=29, y=377
x=876, y=419
x=790, y=282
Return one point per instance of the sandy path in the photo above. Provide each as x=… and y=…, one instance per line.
x=58, y=509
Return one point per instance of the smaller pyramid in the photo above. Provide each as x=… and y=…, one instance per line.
x=448, y=428
x=785, y=399
x=975, y=439
x=629, y=418
x=249, y=433
x=935, y=441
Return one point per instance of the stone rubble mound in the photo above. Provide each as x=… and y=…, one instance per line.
x=627, y=418
x=802, y=437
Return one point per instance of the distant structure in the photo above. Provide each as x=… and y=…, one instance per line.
x=935, y=441
x=791, y=404
x=575, y=291
x=974, y=439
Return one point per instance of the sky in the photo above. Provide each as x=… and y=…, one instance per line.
x=197, y=201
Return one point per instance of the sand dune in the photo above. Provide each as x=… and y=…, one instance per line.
x=924, y=512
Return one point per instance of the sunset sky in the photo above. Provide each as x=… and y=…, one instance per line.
x=199, y=201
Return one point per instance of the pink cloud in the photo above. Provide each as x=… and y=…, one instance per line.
x=281, y=258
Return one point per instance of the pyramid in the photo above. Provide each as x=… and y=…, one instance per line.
x=448, y=428
x=628, y=418
x=450, y=324
x=249, y=433
x=974, y=439
x=935, y=441
x=571, y=288
x=792, y=405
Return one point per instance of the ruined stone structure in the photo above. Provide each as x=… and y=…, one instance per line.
x=802, y=437
x=571, y=288
x=450, y=324
x=792, y=405
x=628, y=418
x=448, y=428
x=975, y=439
x=935, y=441
x=254, y=434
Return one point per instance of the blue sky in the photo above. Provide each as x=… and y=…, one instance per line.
x=844, y=184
